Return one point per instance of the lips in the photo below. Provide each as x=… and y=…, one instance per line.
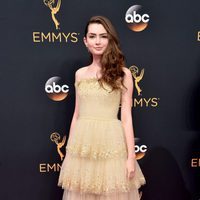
x=98, y=48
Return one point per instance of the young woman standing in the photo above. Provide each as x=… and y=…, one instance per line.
x=100, y=162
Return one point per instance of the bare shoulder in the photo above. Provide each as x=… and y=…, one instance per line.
x=79, y=73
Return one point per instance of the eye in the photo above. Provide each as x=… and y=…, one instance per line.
x=104, y=36
x=91, y=36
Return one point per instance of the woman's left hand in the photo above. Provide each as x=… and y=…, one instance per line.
x=130, y=167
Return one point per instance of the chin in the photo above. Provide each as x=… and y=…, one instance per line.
x=98, y=53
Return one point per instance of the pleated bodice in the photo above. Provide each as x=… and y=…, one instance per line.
x=95, y=101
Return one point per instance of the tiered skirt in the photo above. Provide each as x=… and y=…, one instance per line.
x=94, y=167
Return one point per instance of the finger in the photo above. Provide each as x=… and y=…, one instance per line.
x=126, y=172
x=131, y=175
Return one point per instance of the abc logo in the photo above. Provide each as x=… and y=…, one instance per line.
x=136, y=18
x=56, y=89
x=140, y=149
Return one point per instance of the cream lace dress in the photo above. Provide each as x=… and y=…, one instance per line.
x=94, y=167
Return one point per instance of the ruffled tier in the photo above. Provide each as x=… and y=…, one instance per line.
x=95, y=163
x=97, y=139
x=98, y=176
x=72, y=195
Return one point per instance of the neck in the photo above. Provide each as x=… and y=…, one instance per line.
x=96, y=62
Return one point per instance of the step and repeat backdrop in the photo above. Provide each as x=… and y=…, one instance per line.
x=41, y=47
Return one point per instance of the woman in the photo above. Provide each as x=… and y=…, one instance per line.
x=100, y=160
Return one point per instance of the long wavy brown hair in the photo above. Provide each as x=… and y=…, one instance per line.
x=112, y=59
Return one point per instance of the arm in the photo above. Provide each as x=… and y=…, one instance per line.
x=126, y=115
x=76, y=109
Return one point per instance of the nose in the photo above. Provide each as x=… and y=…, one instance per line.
x=98, y=40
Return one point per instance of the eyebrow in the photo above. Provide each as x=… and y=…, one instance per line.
x=99, y=34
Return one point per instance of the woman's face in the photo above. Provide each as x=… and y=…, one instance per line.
x=96, y=39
